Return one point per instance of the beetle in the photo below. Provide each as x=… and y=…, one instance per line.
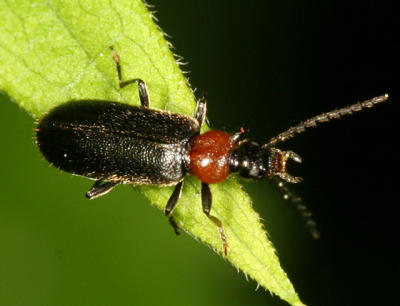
x=114, y=143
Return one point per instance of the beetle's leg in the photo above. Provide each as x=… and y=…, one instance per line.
x=206, y=200
x=174, y=225
x=116, y=60
x=143, y=92
x=173, y=200
x=201, y=110
x=99, y=188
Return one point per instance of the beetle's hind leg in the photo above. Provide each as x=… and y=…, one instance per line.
x=206, y=199
x=175, y=225
x=173, y=200
x=100, y=188
x=143, y=92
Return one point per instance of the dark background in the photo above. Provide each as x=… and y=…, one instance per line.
x=271, y=64
x=264, y=64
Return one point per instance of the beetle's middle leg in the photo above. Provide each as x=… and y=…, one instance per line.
x=143, y=92
x=100, y=188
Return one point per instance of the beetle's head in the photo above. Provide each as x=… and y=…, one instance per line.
x=254, y=160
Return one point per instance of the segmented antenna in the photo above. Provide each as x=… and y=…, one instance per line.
x=306, y=215
x=325, y=117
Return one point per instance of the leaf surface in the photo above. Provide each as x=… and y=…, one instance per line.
x=55, y=51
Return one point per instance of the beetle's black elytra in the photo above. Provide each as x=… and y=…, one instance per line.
x=115, y=143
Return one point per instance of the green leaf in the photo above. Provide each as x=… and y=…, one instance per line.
x=56, y=51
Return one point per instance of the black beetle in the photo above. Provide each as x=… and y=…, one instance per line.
x=115, y=143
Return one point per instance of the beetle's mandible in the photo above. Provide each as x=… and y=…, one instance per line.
x=115, y=143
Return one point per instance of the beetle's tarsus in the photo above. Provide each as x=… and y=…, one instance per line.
x=143, y=92
x=174, y=225
x=100, y=188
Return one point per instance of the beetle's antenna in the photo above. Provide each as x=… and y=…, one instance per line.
x=325, y=117
x=305, y=214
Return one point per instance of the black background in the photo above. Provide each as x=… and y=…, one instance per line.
x=271, y=64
